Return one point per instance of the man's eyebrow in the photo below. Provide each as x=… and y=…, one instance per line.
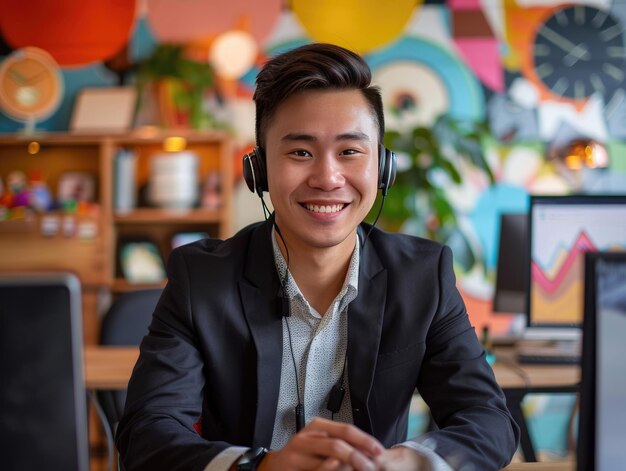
x=294, y=136
x=348, y=136
x=353, y=136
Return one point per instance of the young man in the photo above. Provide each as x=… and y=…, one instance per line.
x=255, y=337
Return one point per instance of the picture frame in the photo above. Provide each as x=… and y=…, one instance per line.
x=140, y=262
x=77, y=186
x=108, y=109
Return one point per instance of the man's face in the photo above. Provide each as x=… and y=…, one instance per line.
x=322, y=166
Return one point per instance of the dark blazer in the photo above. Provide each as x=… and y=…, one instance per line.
x=208, y=374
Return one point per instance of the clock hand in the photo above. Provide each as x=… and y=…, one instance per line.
x=576, y=54
x=562, y=42
x=36, y=78
x=15, y=75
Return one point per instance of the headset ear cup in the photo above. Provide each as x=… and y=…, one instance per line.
x=248, y=171
x=382, y=157
x=262, y=171
x=254, y=172
x=386, y=169
x=392, y=164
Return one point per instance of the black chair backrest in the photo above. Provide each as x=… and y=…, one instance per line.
x=128, y=318
x=125, y=324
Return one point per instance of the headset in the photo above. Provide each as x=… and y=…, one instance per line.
x=255, y=176
x=255, y=170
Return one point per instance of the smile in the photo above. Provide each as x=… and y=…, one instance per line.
x=332, y=208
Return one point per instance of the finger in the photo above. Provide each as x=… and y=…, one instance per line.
x=294, y=459
x=330, y=464
x=333, y=464
x=338, y=449
x=301, y=451
x=360, y=462
x=350, y=434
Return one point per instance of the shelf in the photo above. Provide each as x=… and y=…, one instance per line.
x=32, y=252
x=91, y=251
x=120, y=285
x=141, y=136
x=17, y=226
x=165, y=216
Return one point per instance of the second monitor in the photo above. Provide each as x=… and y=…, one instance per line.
x=510, y=287
x=562, y=229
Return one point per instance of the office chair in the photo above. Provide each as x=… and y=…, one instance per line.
x=125, y=324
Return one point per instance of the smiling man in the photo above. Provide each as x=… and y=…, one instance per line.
x=298, y=343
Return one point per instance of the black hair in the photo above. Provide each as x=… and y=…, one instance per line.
x=315, y=66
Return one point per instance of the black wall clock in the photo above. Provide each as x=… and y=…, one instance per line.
x=578, y=51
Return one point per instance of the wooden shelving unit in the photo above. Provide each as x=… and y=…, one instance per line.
x=24, y=247
x=156, y=216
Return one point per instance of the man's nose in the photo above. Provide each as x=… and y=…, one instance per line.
x=327, y=173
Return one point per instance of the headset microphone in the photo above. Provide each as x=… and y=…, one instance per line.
x=283, y=302
x=335, y=398
x=299, y=417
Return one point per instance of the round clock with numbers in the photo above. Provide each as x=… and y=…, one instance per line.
x=579, y=51
x=31, y=85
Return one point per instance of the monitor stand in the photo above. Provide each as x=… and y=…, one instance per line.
x=513, y=334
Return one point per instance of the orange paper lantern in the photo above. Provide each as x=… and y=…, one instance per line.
x=74, y=33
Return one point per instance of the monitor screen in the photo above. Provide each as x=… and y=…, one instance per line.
x=562, y=229
x=43, y=422
x=603, y=390
x=510, y=289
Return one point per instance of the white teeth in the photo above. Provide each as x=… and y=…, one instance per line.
x=325, y=209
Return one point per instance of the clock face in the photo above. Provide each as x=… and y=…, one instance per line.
x=579, y=51
x=30, y=84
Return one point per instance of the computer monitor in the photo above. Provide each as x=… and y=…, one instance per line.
x=601, y=432
x=43, y=414
x=510, y=287
x=561, y=230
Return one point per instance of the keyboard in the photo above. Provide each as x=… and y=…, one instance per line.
x=548, y=352
x=534, y=359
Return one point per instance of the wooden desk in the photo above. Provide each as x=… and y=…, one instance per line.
x=517, y=380
x=111, y=367
x=511, y=374
x=108, y=367
x=551, y=466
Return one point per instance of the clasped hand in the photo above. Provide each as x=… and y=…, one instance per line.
x=324, y=445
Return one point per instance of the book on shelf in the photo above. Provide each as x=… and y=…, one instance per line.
x=125, y=187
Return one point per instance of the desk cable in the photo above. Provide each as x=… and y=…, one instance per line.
x=107, y=428
x=518, y=370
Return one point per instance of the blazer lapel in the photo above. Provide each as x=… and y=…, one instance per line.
x=258, y=293
x=365, y=320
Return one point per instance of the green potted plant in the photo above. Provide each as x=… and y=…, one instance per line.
x=428, y=162
x=178, y=85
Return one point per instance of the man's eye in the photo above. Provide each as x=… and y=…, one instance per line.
x=301, y=153
x=350, y=152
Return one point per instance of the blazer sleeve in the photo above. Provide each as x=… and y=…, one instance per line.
x=476, y=430
x=164, y=399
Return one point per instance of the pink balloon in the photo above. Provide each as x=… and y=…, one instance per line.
x=180, y=21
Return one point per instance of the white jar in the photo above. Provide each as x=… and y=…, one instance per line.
x=174, y=180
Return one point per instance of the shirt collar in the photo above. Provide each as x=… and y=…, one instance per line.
x=350, y=286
